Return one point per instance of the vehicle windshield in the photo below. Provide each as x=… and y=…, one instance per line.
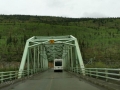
x=58, y=63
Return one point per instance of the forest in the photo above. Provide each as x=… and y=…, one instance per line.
x=98, y=38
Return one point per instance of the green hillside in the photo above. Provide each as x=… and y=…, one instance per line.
x=99, y=38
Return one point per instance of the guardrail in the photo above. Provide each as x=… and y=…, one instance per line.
x=105, y=73
x=13, y=75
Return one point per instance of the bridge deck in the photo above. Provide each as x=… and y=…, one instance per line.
x=50, y=80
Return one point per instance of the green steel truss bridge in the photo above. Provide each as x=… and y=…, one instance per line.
x=39, y=51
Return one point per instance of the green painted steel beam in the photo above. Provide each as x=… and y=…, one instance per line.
x=38, y=51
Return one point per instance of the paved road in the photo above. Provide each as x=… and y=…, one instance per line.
x=50, y=80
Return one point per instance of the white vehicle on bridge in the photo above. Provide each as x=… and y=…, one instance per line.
x=58, y=65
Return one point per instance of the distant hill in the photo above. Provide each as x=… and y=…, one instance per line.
x=98, y=38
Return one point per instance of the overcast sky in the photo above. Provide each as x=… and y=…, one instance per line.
x=65, y=8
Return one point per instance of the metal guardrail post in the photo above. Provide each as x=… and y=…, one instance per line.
x=71, y=69
x=39, y=69
x=80, y=71
x=90, y=72
x=85, y=70
x=10, y=75
x=16, y=75
x=22, y=73
x=36, y=70
x=2, y=78
x=28, y=73
x=77, y=70
x=106, y=74
x=31, y=72
x=96, y=73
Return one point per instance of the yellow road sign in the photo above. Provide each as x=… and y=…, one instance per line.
x=51, y=41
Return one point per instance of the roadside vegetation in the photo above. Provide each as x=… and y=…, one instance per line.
x=99, y=38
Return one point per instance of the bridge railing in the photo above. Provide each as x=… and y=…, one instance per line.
x=103, y=73
x=13, y=75
x=5, y=76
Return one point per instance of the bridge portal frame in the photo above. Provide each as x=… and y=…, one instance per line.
x=71, y=53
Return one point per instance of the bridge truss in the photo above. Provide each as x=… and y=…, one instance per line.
x=39, y=50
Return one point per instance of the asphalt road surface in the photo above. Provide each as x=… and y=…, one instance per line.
x=50, y=80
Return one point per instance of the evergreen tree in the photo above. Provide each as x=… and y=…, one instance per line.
x=0, y=36
x=9, y=39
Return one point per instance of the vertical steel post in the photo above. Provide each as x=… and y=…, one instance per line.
x=65, y=57
x=68, y=57
x=28, y=63
x=53, y=51
x=38, y=59
x=34, y=60
x=67, y=65
x=47, y=63
x=41, y=58
x=2, y=76
x=71, y=58
x=31, y=60
x=76, y=58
